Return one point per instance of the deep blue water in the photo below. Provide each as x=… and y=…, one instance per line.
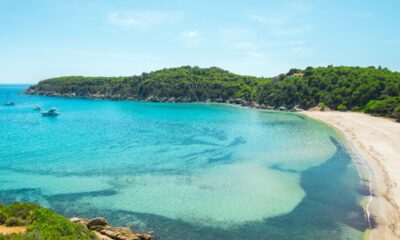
x=185, y=171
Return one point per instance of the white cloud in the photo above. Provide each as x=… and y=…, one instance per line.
x=281, y=26
x=238, y=38
x=285, y=22
x=190, y=38
x=243, y=41
x=142, y=20
x=250, y=49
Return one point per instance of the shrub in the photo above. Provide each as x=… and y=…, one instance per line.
x=342, y=108
x=321, y=105
x=19, y=210
x=50, y=225
x=15, y=221
x=3, y=218
x=396, y=113
x=384, y=107
x=41, y=223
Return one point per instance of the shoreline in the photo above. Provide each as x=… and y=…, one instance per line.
x=382, y=206
x=376, y=143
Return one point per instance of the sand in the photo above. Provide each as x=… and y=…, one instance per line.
x=376, y=142
x=11, y=230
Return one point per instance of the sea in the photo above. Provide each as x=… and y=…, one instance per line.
x=185, y=171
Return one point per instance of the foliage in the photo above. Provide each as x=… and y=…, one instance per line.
x=383, y=107
x=193, y=83
x=321, y=105
x=21, y=211
x=339, y=88
x=15, y=221
x=347, y=87
x=41, y=223
x=3, y=218
x=342, y=108
x=396, y=113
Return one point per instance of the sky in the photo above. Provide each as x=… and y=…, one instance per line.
x=40, y=39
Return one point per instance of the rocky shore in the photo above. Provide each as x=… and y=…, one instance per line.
x=119, y=97
x=103, y=231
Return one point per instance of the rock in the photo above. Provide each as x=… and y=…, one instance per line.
x=97, y=227
x=145, y=236
x=119, y=233
x=82, y=221
x=109, y=232
x=103, y=231
x=97, y=222
x=241, y=101
x=255, y=105
x=75, y=219
x=100, y=236
x=296, y=109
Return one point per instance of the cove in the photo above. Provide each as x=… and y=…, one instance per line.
x=186, y=171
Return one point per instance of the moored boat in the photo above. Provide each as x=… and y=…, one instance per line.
x=51, y=112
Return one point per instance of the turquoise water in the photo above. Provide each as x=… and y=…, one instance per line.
x=185, y=171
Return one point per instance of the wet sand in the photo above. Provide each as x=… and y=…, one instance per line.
x=377, y=143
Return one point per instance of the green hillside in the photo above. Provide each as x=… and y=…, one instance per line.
x=373, y=90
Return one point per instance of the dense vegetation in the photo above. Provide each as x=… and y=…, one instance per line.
x=41, y=223
x=192, y=83
x=373, y=90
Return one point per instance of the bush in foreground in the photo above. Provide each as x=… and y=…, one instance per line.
x=41, y=223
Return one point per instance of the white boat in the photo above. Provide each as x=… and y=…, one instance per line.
x=51, y=112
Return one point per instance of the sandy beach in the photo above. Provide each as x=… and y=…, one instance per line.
x=376, y=142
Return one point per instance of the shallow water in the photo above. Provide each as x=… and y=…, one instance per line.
x=186, y=171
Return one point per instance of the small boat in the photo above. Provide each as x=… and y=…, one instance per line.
x=37, y=108
x=51, y=112
x=8, y=102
